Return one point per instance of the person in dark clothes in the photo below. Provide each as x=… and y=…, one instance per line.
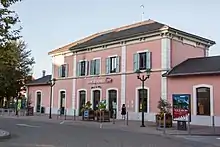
x=123, y=111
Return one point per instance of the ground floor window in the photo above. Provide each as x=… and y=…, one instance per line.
x=82, y=100
x=96, y=99
x=62, y=101
x=203, y=101
x=142, y=94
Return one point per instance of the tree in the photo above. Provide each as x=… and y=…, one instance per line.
x=15, y=66
x=8, y=19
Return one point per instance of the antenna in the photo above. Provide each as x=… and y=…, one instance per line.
x=142, y=15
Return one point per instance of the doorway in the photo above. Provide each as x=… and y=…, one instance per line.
x=112, y=99
x=96, y=99
x=82, y=100
x=62, y=102
x=38, y=102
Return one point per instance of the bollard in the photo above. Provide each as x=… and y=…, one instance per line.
x=74, y=114
x=65, y=111
x=164, y=123
x=213, y=123
x=127, y=118
x=113, y=117
x=189, y=129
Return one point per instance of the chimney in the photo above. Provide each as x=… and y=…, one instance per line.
x=43, y=73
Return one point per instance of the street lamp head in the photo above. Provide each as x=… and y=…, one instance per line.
x=148, y=71
x=138, y=72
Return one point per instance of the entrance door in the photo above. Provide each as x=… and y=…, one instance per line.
x=96, y=99
x=82, y=101
x=38, y=104
x=62, y=102
x=112, y=98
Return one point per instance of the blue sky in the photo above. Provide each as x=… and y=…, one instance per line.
x=49, y=24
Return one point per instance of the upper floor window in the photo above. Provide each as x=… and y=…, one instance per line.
x=82, y=68
x=142, y=61
x=113, y=64
x=95, y=67
x=63, y=70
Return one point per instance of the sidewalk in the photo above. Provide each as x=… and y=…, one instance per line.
x=133, y=126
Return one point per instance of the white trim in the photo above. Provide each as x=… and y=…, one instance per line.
x=74, y=84
x=143, y=51
x=123, y=76
x=91, y=100
x=165, y=64
x=137, y=99
x=194, y=103
x=35, y=100
x=82, y=60
x=107, y=98
x=112, y=56
x=59, y=98
x=77, y=101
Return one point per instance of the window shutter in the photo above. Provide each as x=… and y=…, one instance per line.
x=148, y=60
x=66, y=70
x=97, y=62
x=118, y=64
x=87, y=67
x=91, y=67
x=107, y=65
x=136, y=61
x=78, y=71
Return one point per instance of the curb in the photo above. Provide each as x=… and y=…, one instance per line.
x=4, y=134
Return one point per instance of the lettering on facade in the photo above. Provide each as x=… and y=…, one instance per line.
x=101, y=81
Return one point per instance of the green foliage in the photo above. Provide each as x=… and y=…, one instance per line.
x=164, y=106
x=102, y=105
x=8, y=19
x=15, y=66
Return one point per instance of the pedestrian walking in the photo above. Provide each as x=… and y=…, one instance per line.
x=123, y=111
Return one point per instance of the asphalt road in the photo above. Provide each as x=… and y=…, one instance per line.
x=27, y=133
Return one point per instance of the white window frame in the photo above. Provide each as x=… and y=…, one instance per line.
x=142, y=51
x=194, y=103
x=112, y=56
x=137, y=99
x=35, y=101
x=60, y=97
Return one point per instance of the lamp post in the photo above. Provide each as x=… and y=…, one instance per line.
x=143, y=78
x=52, y=83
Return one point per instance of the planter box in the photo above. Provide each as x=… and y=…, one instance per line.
x=88, y=115
x=160, y=120
x=104, y=115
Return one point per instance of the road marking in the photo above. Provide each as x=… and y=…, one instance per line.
x=62, y=122
x=218, y=138
x=31, y=145
x=26, y=125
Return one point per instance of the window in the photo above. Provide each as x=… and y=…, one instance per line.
x=203, y=101
x=142, y=94
x=95, y=67
x=82, y=68
x=142, y=61
x=82, y=101
x=113, y=64
x=63, y=70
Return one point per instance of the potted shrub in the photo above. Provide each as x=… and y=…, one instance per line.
x=164, y=107
x=102, y=114
x=87, y=111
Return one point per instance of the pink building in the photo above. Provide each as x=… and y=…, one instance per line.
x=102, y=66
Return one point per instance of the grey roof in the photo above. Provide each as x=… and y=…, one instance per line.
x=132, y=32
x=40, y=81
x=119, y=35
x=197, y=66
